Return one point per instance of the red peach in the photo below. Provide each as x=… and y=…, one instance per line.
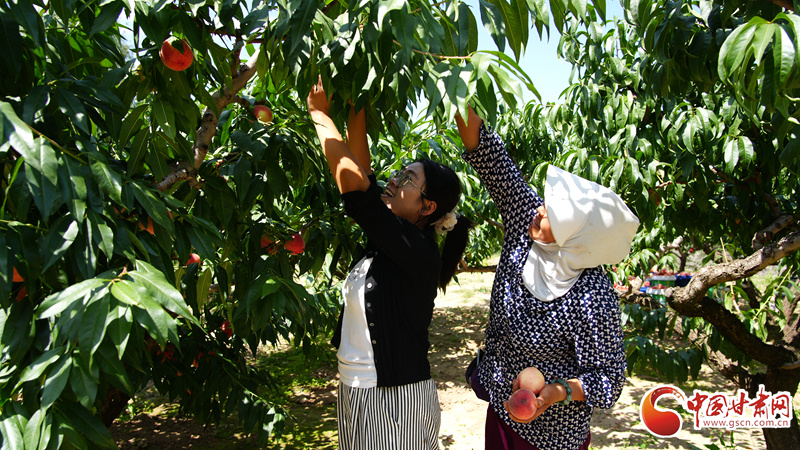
x=17, y=278
x=176, y=54
x=227, y=328
x=269, y=244
x=522, y=404
x=193, y=259
x=296, y=245
x=263, y=113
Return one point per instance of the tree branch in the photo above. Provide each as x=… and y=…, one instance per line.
x=692, y=301
x=208, y=125
x=785, y=4
x=715, y=274
x=768, y=233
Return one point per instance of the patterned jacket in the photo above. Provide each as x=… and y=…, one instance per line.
x=578, y=335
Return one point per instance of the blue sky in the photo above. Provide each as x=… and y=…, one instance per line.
x=550, y=74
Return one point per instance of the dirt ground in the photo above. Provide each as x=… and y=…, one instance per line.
x=456, y=333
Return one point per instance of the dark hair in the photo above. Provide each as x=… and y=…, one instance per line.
x=443, y=187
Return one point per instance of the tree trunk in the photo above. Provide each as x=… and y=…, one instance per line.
x=782, y=438
x=116, y=402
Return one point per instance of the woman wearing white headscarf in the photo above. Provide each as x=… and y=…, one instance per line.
x=552, y=306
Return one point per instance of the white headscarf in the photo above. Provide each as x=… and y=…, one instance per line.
x=591, y=226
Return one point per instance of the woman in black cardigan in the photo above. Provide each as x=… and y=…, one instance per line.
x=387, y=398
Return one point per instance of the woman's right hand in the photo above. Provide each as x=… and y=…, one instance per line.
x=317, y=100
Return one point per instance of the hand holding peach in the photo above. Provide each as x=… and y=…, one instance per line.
x=531, y=396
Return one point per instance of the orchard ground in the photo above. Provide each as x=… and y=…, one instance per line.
x=309, y=388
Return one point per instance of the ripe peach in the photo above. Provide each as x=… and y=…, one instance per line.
x=227, y=328
x=193, y=259
x=531, y=379
x=263, y=113
x=296, y=245
x=17, y=278
x=269, y=244
x=522, y=404
x=176, y=54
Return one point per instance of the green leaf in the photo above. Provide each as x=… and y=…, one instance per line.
x=125, y=292
x=56, y=380
x=165, y=117
x=154, y=206
x=43, y=177
x=109, y=14
x=109, y=180
x=72, y=108
x=37, y=431
x=37, y=368
x=88, y=424
x=132, y=124
x=161, y=290
x=58, y=302
x=102, y=234
x=120, y=321
x=73, y=187
x=83, y=383
x=513, y=28
x=12, y=426
x=731, y=154
x=59, y=239
x=15, y=132
x=152, y=316
x=791, y=153
x=784, y=55
x=300, y=23
x=203, y=285
x=138, y=150
x=93, y=328
x=35, y=103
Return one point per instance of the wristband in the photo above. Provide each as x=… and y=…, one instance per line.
x=562, y=382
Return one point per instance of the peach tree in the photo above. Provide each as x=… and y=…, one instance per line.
x=145, y=213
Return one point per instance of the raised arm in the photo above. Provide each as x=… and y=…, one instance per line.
x=485, y=152
x=357, y=138
x=470, y=130
x=345, y=167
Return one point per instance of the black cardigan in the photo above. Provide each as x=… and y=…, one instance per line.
x=399, y=289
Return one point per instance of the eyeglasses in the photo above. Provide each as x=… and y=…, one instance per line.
x=402, y=177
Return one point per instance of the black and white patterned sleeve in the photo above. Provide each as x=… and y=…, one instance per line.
x=515, y=199
x=598, y=341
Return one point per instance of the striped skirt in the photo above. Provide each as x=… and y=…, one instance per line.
x=389, y=418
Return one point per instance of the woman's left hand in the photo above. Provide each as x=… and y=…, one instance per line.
x=317, y=100
x=550, y=394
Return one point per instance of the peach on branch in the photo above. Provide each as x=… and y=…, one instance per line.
x=297, y=245
x=227, y=328
x=176, y=54
x=269, y=244
x=17, y=278
x=263, y=113
x=194, y=258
